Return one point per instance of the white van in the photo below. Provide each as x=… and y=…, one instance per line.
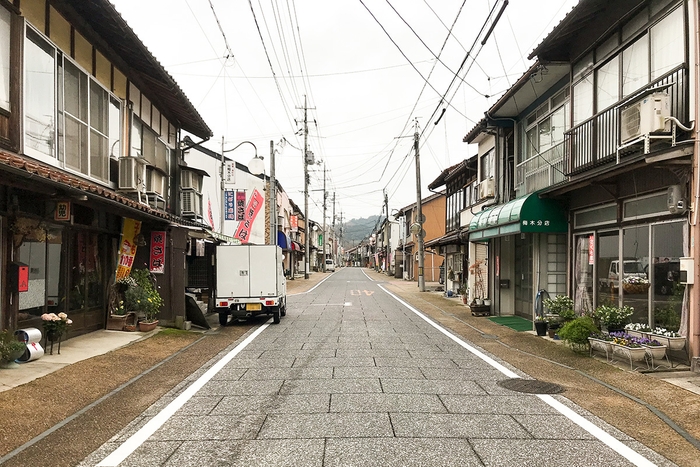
x=329, y=265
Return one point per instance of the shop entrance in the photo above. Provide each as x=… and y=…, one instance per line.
x=523, y=275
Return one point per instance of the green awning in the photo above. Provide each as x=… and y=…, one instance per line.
x=527, y=214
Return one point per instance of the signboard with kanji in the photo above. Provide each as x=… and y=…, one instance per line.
x=230, y=205
x=127, y=249
x=157, y=261
x=251, y=212
x=294, y=223
x=62, y=212
x=240, y=205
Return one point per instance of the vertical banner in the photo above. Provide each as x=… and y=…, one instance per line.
x=294, y=223
x=240, y=205
x=230, y=205
x=591, y=249
x=251, y=211
x=157, y=262
x=127, y=248
x=210, y=215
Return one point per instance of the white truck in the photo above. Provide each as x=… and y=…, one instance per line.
x=250, y=281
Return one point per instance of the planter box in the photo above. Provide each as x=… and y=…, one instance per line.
x=635, y=289
x=146, y=327
x=656, y=352
x=119, y=322
x=673, y=343
x=634, y=354
x=601, y=345
x=639, y=334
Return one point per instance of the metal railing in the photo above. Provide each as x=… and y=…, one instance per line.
x=543, y=170
x=595, y=141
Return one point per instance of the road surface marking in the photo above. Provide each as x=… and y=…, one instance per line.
x=138, y=438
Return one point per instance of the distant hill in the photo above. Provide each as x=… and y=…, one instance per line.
x=355, y=230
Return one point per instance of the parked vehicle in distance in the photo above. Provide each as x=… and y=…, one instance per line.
x=632, y=268
x=329, y=265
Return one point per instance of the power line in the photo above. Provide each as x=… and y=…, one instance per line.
x=228, y=48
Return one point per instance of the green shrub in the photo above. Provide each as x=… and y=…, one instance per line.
x=560, y=305
x=576, y=332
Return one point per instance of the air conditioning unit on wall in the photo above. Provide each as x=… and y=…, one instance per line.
x=487, y=188
x=132, y=174
x=645, y=116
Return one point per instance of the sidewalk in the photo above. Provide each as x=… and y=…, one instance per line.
x=680, y=375
x=101, y=342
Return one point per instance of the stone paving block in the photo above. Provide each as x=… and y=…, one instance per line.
x=528, y=453
x=507, y=404
x=336, y=345
x=418, y=425
x=226, y=373
x=377, y=372
x=379, y=344
x=273, y=403
x=427, y=403
x=351, y=353
x=247, y=453
x=330, y=425
x=335, y=361
x=433, y=363
x=331, y=386
x=240, y=388
x=287, y=373
x=209, y=427
x=482, y=375
x=434, y=386
x=399, y=452
x=199, y=405
x=297, y=353
x=285, y=362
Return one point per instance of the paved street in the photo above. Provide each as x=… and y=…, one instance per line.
x=354, y=376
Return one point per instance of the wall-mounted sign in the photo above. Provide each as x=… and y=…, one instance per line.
x=230, y=205
x=240, y=205
x=62, y=212
x=294, y=223
x=230, y=172
x=157, y=261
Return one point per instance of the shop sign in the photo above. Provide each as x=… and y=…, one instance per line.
x=251, y=212
x=591, y=249
x=229, y=205
x=157, y=261
x=62, y=212
x=294, y=223
x=240, y=205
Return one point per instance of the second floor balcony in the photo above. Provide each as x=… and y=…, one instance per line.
x=601, y=140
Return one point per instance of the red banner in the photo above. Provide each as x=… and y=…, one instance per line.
x=293, y=223
x=251, y=211
x=240, y=205
x=157, y=262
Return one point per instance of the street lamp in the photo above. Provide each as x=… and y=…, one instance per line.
x=256, y=166
x=223, y=186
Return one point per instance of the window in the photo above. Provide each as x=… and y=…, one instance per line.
x=583, y=99
x=39, y=95
x=5, y=31
x=546, y=125
x=635, y=66
x=607, y=84
x=69, y=116
x=487, y=162
x=667, y=47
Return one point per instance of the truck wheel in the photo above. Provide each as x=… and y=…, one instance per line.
x=223, y=318
x=283, y=309
x=276, y=315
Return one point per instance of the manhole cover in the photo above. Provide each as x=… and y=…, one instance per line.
x=530, y=386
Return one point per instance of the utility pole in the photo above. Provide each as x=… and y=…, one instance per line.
x=334, y=253
x=340, y=237
x=387, y=232
x=419, y=212
x=325, y=237
x=306, y=193
x=273, y=197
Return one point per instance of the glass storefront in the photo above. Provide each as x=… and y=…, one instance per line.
x=636, y=266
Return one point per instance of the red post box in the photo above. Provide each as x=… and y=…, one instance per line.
x=18, y=277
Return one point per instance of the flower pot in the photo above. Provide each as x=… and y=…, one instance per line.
x=673, y=343
x=487, y=302
x=146, y=327
x=551, y=332
x=636, y=354
x=479, y=302
x=541, y=328
x=116, y=322
x=656, y=352
x=600, y=345
x=635, y=289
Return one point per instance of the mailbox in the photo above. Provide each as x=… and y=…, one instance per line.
x=504, y=283
x=18, y=277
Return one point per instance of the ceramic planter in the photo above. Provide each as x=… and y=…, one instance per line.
x=600, y=345
x=657, y=352
x=635, y=354
x=673, y=343
x=146, y=327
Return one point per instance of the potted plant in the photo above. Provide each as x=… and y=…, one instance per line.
x=561, y=305
x=541, y=325
x=602, y=342
x=655, y=349
x=628, y=346
x=144, y=299
x=462, y=291
x=637, y=329
x=120, y=317
x=613, y=317
x=10, y=349
x=577, y=331
x=55, y=326
x=673, y=340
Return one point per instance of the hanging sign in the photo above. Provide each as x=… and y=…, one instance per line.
x=127, y=249
x=251, y=211
x=230, y=205
x=230, y=172
x=294, y=223
x=591, y=249
x=62, y=212
x=157, y=261
x=240, y=205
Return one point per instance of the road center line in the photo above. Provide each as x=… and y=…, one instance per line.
x=138, y=438
x=618, y=446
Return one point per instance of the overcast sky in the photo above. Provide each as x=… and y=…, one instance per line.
x=248, y=66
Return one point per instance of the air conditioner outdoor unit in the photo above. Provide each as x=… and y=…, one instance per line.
x=644, y=116
x=132, y=173
x=487, y=188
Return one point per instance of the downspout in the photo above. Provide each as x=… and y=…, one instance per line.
x=694, y=295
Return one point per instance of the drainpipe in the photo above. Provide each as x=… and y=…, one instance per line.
x=694, y=293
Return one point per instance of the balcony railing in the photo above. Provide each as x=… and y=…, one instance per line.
x=595, y=141
x=541, y=171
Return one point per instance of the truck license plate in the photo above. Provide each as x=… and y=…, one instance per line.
x=253, y=306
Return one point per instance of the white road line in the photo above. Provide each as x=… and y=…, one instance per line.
x=618, y=446
x=138, y=438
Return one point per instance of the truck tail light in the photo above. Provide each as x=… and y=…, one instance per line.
x=269, y=302
x=223, y=304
